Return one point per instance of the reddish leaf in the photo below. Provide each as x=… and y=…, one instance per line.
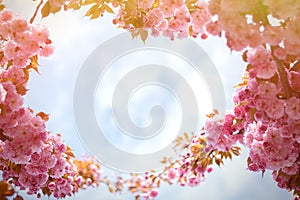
x=143, y=35
x=1, y=55
x=21, y=89
x=2, y=138
x=34, y=63
x=245, y=57
x=6, y=189
x=18, y=197
x=43, y=116
x=158, y=183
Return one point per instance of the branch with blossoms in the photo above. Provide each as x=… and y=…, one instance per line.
x=31, y=158
x=190, y=170
x=265, y=116
x=44, y=164
x=172, y=18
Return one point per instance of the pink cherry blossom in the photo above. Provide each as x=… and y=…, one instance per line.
x=19, y=25
x=265, y=116
x=6, y=15
x=272, y=34
x=171, y=174
x=145, y=4
x=11, y=50
x=293, y=108
x=154, y=18
x=280, y=53
x=195, y=180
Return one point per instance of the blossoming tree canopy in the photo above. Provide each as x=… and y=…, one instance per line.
x=31, y=158
x=265, y=116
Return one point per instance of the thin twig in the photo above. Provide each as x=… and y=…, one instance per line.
x=36, y=11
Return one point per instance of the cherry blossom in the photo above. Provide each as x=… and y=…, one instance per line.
x=266, y=104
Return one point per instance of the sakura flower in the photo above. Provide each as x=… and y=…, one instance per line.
x=11, y=50
x=195, y=180
x=167, y=10
x=268, y=90
x=19, y=25
x=272, y=35
x=280, y=53
x=153, y=18
x=171, y=174
x=275, y=109
x=266, y=70
x=293, y=108
x=153, y=193
x=32, y=181
x=6, y=15
x=144, y=4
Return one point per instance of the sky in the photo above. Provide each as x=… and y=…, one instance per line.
x=75, y=37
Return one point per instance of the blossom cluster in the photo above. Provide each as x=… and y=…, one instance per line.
x=20, y=41
x=270, y=107
x=176, y=18
x=31, y=158
x=265, y=116
x=253, y=23
x=243, y=23
x=189, y=170
x=171, y=18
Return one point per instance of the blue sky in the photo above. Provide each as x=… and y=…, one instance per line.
x=75, y=37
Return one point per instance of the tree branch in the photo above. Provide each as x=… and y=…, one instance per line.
x=283, y=77
x=36, y=11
